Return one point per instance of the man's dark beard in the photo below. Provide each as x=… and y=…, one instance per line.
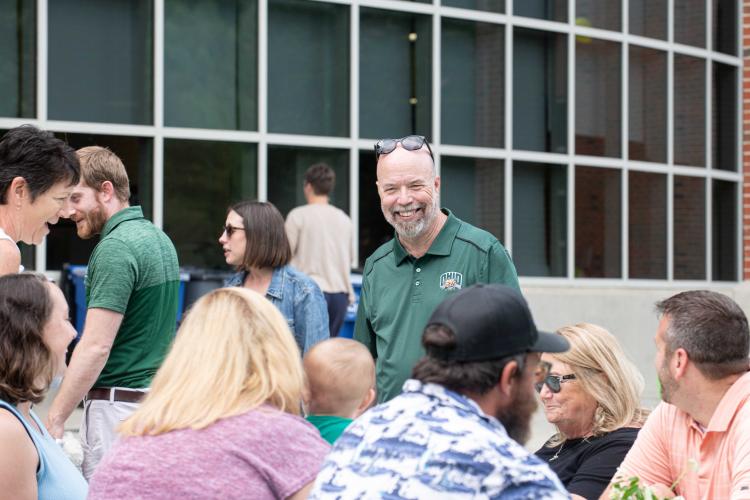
x=95, y=219
x=516, y=418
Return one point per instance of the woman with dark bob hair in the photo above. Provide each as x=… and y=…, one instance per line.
x=37, y=175
x=254, y=241
x=34, y=337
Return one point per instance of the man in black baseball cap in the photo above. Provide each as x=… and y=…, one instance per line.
x=458, y=426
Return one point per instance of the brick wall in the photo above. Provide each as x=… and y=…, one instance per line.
x=746, y=139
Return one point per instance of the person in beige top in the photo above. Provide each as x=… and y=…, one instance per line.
x=321, y=239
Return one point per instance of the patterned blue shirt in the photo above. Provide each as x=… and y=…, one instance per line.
x=430, y=442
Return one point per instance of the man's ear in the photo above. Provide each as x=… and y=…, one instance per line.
x=679, y=363
x=437, y=183
x=106, y=191
x=508, y=378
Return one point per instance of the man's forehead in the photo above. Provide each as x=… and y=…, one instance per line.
x=402, y=163
x=81, y=188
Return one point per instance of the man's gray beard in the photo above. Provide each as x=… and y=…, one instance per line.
x=410, y=230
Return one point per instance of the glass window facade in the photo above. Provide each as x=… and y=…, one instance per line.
x=286, y=175
x=486, y=179
x=598, y=222
x=201, y=180
x=18, y=58
x=689, y=111
x=598, y=97
x=690, y=22
x=540, y=229
x=647, y=225
x=649, y=18
x=605, y=145
x=540, y=91
x=605, y=14
x=551, y=10
x=309, y=40
x=648, y=105
x=689, y=228
x=473, y=83
x=395, y=74
x=201, y=89
x=100, y=70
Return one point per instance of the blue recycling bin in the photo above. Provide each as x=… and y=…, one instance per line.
x=347, y=329
x=77, y=276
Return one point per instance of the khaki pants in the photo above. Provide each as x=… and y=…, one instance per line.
x=98, y=430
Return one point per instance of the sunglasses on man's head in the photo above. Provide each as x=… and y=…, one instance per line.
x=409, y=143
x=553, y=382
x=230, y=229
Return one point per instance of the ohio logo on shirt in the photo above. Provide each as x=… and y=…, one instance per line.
x=451, y=281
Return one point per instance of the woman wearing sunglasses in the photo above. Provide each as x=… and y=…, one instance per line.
x=591, y=394
x=254, y=241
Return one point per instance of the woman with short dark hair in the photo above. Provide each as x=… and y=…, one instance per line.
x=254, y=241
x=34, y=335
x=37, y=174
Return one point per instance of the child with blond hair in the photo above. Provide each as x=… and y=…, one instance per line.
x=340, y=385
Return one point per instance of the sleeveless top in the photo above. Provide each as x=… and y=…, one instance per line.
x=4, y=236
x=57, y=478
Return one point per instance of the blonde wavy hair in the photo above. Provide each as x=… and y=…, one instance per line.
x=233, y=352
x=604, y=372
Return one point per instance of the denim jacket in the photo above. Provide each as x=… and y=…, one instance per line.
x=301, y=302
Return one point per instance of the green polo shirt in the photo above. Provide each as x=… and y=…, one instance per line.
x=133, y=271
x=399, y=293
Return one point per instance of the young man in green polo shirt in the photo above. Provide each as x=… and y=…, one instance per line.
x=131, y=292
x=433, y=255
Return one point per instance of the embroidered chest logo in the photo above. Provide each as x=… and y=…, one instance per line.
x=451, y=281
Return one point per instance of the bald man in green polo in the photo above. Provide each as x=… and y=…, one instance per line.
x=432, y=255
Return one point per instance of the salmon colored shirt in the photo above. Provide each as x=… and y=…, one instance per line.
x=671, y=437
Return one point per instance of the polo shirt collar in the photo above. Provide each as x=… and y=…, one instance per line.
x=129, y=213
x=276, y=287
x=734, y=398
x=440, y=247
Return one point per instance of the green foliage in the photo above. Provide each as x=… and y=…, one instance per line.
x=632, y=490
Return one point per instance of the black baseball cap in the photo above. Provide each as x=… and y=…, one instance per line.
x=491, y=322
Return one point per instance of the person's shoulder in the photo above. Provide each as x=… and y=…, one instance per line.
x=622, y=434
x=300, y=279
x=110, y=248
x=297, y=215
x=475, y=236
x=380, y=253
x=618, y=439
x=14, y=436
x=19, y=457
x=266, y=420
x=9, y=252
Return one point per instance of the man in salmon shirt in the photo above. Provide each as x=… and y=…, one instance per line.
x=699, y=437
